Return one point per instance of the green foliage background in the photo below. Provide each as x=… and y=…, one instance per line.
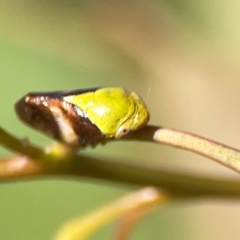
x=182, y=57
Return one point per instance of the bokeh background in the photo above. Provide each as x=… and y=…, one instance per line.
x=181, y=56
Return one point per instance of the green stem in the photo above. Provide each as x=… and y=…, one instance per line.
x=175, y=182
x=19, y=146
x=180, y=184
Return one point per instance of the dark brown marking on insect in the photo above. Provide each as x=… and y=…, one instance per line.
x=36, y=110
x=61, y=94
x=87, y=132
x=32, y=111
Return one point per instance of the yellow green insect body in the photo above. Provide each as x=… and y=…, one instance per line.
x=85, y=116
x=113, y=110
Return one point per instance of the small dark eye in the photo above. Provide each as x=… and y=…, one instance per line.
x=122, y=131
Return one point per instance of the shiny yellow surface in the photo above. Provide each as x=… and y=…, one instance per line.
x=113, y=110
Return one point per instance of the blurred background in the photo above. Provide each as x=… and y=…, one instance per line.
x=182, y=57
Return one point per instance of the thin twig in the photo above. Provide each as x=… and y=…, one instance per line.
x=19, y=146
x=218, y=152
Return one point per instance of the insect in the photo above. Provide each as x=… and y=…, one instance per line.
x=85, y=116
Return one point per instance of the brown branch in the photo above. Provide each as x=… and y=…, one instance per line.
x=14, y=168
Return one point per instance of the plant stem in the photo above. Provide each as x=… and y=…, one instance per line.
x=19, y=146
x=183, y=184
x=218, y=152
x=177, y=183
